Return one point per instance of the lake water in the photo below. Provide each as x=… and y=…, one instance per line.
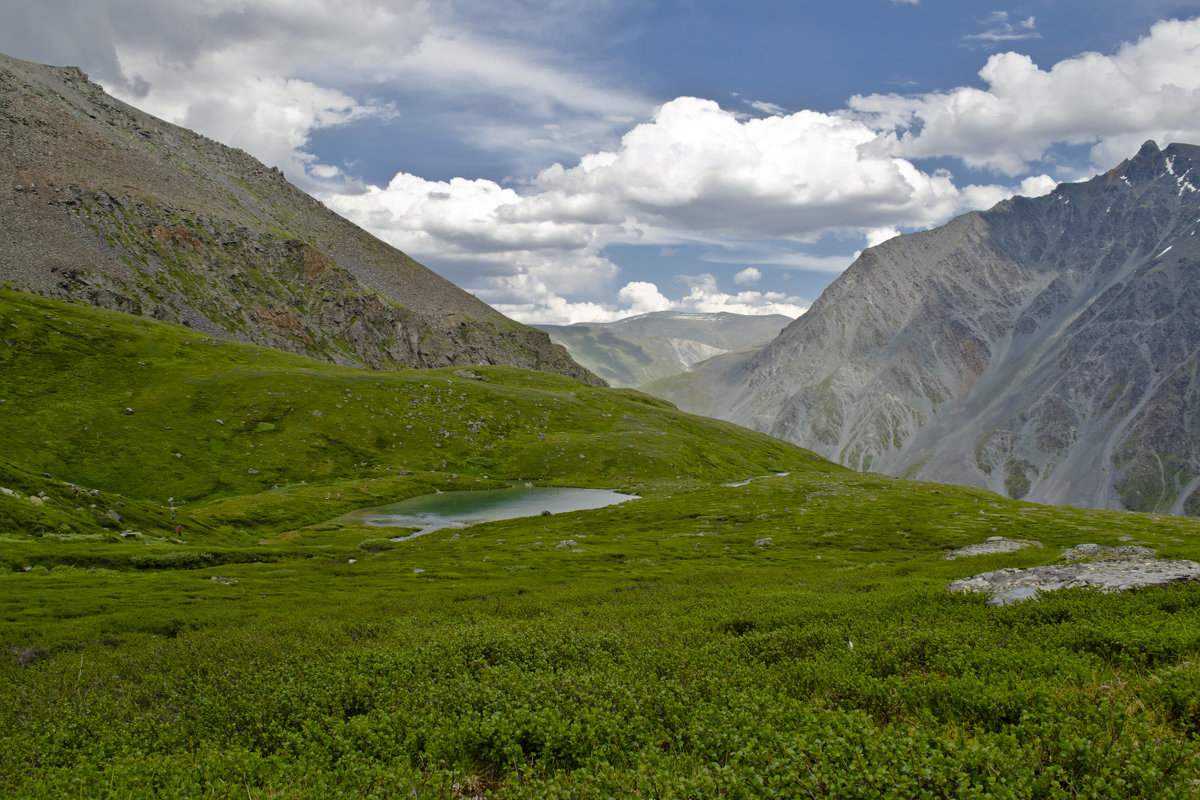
x=431, y=512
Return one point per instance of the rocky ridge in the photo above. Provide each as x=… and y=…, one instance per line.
x=1046, y=349
x=105, y=204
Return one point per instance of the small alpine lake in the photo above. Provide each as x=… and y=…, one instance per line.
x=431, y=512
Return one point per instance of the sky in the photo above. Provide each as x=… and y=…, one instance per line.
x=570, y=161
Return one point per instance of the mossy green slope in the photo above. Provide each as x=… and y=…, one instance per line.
x=160, y=413
x=658, y=648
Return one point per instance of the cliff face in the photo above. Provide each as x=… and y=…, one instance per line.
x=102, y=203
x=1046, y=349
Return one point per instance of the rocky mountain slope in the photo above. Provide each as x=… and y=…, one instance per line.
x=105, y=204
x=1046, y=349
x=637, y=350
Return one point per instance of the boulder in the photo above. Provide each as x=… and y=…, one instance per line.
x=993, y=544
x=1109, y=569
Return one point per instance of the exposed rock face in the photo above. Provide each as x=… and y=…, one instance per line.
x=1109, y=569
x=104, y=204
x=994, y=544
x=649, y=347
x=1046, y=349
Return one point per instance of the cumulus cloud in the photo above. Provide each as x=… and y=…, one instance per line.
x=541, y=304
x=693, y=173
x=1147, y=89
x=748, y=277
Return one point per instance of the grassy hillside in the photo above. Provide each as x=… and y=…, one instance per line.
x=160, y=413
x=658, y=648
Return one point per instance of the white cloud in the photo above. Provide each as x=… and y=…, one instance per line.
x=1149, y=89
x=748, y=277
x=697, y=167
x=264, y=76
x=880, y=235
x=694, y=173
x=768, y=108
x=542, y=305
x=1002, y=30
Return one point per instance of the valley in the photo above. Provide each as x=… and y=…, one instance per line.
x=210, y=384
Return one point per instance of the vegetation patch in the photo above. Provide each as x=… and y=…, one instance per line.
x=229, y=636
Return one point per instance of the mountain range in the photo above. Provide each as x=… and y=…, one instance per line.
x=647, y=347
x=111, y=206
x=1045, y=349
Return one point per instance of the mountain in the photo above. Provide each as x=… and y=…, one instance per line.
x=108, y=205
x=1045, y=349
x=637, y=350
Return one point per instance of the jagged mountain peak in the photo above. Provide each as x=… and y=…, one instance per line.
x=1046, y=348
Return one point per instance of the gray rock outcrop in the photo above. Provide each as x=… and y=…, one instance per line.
x=993, y=544
x=1107, y=569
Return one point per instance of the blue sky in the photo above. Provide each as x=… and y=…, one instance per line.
x=570, y=161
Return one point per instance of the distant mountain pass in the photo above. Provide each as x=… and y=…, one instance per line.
x=637, y=350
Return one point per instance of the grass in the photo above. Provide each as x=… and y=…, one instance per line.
x=272, y=651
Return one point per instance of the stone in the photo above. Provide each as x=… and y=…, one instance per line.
x=226, y=581
x=764, y=542
x=993, y=544
x=1012, y=585
x=113, y=515
x=127, y=411
x=567, y=543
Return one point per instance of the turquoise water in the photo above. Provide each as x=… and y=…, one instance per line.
x=431, y=512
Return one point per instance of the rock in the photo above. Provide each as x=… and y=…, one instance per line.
x=567, y=543
x=1012, y=585
x=226, y=581
x=466, y=373
x=127, y=411
x=993, y=544
x=37, y=501
x=252, y=471
x=113, y=515
x=764, y=542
